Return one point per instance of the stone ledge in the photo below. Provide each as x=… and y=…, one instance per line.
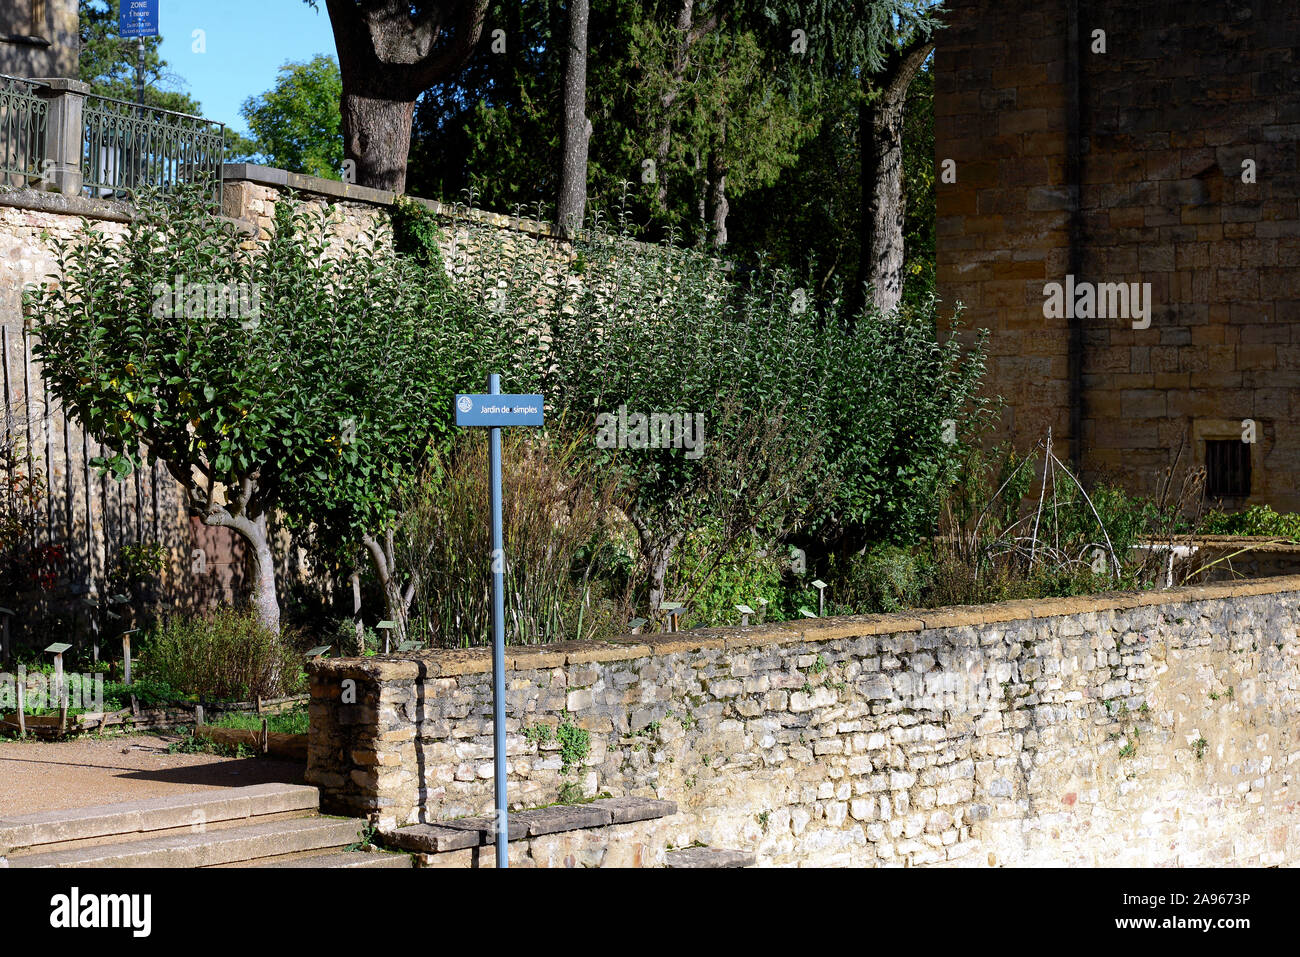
x=470, y=832
x=335, y=189
x=465, y=661
x=41, y=201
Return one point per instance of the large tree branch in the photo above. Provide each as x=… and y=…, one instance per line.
x=901, y=67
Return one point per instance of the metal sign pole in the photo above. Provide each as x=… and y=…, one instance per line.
x=495, y=411
x=498, y=638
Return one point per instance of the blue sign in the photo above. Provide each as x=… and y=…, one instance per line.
x=498, y=411
x=138, y=18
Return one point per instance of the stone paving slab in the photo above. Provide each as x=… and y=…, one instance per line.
x=627, y=810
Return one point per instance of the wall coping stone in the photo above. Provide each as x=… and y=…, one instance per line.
x=43, y=201
x=435, y=663
x=478, y=831
x=334, y=189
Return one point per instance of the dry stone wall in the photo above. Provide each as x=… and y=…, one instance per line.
x=1127, y=729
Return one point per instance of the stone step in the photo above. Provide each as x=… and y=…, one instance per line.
x=135, y=818
x=335, y=859
x=479, y=831
x=708, y=857
x=247, y=842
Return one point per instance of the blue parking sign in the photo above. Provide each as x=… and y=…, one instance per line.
x=138, y=18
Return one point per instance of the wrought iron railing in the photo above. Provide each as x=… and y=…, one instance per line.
x=126, y=147
x=23, y=119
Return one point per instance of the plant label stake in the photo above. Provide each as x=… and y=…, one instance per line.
x=387, y=628
x=126, y=656
x=821, y=596
x=494, y=412
x=674, y=609
x=57, y=649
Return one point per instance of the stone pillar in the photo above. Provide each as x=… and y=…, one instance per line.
x=61, y=170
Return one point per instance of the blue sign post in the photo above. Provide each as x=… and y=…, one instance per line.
x=137, y=18
x=495, y=411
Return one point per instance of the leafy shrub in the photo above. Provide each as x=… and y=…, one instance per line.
x=714, y=583
x=150, y=692
x=1256, y=520
x=883, y=578
x=224, y=655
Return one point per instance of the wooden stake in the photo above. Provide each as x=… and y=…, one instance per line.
x=22, y=705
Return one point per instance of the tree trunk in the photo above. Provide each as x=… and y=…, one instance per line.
x=355, y=580
x=575, y=132
x=261, y=561
x=377, y=137
x=391, y=51
x=383, y=556
x=880, y=135
x=265, y=603
x=718, y=205
x=657, y=551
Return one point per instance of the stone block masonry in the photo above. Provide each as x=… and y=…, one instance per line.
x=1171, y=158
x=1142, y=729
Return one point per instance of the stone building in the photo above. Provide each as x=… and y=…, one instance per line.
x=1117, y=143
x=39, y=38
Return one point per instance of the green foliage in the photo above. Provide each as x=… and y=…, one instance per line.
x=575, y=745
x=323, y=395
x=539, y=734
x=365, y=837
x=189, y=743
x=225, y=655
x=570, y=793
x=149, y=692
x=296, y=124
x=883, y=578
x=415, y=233
x=293, y=721
x=1256, y=520
x=713, y=584
x=554, y=536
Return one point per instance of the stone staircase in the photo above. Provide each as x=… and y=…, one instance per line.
x=265, y=825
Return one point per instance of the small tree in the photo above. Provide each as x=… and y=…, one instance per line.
x=295, y=124
x=264, y=375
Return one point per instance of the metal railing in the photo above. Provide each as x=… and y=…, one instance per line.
x=56, y=135
x=23, y=121
x=126, y=147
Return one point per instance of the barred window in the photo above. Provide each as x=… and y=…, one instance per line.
x=1227, y=468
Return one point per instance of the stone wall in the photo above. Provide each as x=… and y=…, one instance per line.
x=1124, y=729
x=1126, y=166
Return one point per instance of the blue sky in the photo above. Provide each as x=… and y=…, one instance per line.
x=247, y=42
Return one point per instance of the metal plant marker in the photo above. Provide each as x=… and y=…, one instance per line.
x=495, y=411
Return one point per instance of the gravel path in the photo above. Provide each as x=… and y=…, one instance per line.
x=47, y=776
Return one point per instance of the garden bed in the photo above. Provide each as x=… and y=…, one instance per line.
x=176, y=714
